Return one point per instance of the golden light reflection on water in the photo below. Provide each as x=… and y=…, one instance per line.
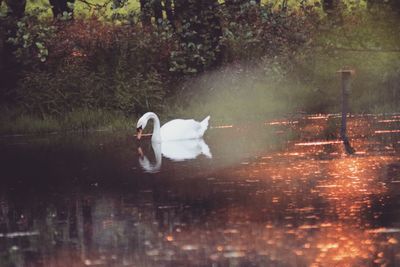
x=319, y=117
x=336, y=235
x=325, y=244
x=222, y=127
x=386, y=131
x=319, y=143
x=393, y=120
x=284, y=122
x=341, y=233
x=307, y=204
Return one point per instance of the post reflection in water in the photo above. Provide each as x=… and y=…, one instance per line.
x=285, y=194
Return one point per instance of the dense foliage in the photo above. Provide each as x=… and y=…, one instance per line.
x=210, y=57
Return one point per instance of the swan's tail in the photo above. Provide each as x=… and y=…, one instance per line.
x=206, y=151
x=204, y=124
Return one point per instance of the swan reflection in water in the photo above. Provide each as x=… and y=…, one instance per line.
x=174, y=150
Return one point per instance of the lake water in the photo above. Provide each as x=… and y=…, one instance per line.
x=273, y=193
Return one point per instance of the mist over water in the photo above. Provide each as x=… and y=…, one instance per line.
x=308, y=80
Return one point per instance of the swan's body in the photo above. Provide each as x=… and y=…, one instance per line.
x=177, y=129
x=175, y=151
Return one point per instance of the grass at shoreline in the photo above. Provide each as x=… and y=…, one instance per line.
x=81, y=120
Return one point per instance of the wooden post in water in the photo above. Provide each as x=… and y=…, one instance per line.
x=346, y=87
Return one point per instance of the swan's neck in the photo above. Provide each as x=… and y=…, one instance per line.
x=157, y=154
x=156, y=137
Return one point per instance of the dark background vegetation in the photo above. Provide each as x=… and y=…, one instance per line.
x=235, y=60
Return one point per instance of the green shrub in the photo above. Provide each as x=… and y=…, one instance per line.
x=253, y=60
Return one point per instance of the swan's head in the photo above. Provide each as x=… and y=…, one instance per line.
x=141, y=124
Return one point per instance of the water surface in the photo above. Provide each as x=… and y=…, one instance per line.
x=273, y=193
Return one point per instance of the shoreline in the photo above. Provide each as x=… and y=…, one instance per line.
x=119, y=123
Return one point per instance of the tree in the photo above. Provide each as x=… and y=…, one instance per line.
x=145, y=13
x=154, y=8
x=59, y=7
x=157, y=10
x=9, y=67
x=330, y=6
x=197, y=25
x=16, y=8
x=169, y=11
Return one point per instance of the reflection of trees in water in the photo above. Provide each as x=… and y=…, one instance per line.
x=105, y=229
x=92, y=229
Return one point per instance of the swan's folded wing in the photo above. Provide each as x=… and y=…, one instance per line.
x=181, y=129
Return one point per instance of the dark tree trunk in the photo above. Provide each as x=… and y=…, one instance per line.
x=333, y=9
x=157, y=10
x=16, y=8
x=180, y=7
x=215, y=31
x=10, y=68
x=330, y=6
x=145, y=13
x=186, y=11
x=169, y=11
x=58, y=7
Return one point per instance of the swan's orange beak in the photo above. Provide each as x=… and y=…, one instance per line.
x=139, y=133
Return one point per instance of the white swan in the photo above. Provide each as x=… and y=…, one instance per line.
x=177, y=129
x=174, y=150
